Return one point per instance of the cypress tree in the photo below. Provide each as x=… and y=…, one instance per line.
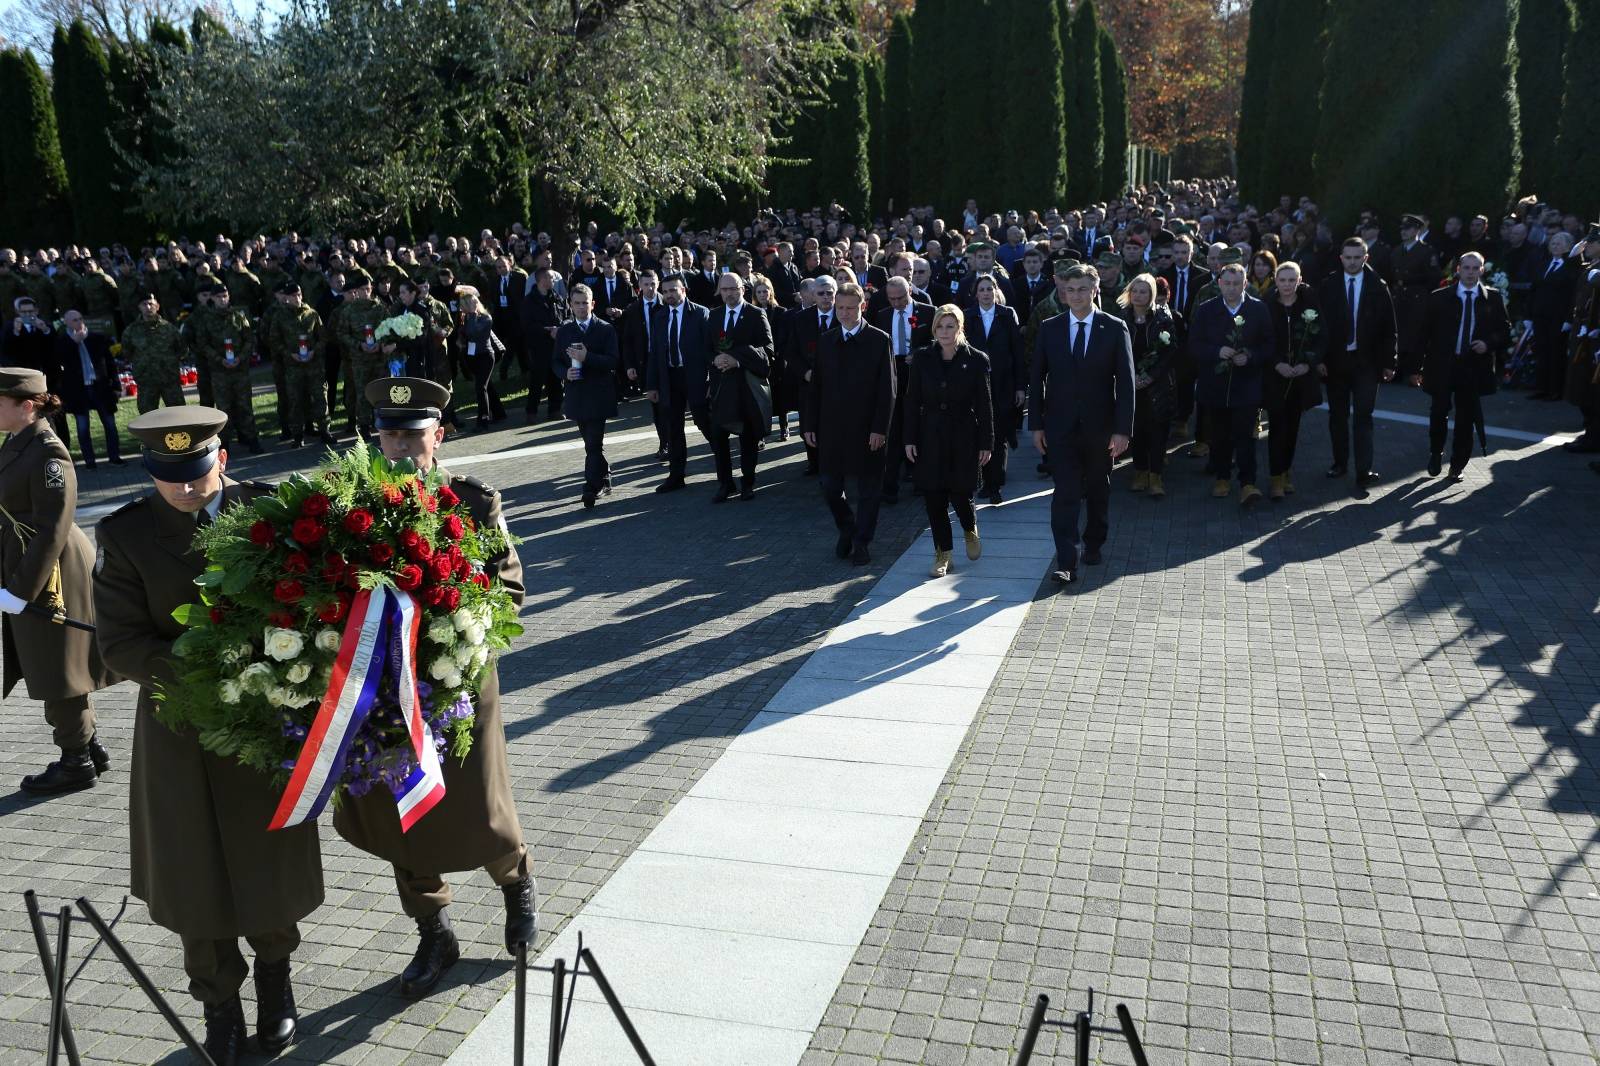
x=967, y=104
x=86, y=113
x=891, y=185
x=1069, y=91
x=1114, y=101
x=929, y=49
x=1289, y=125
x=33, y=179
x=1036, y=175
x=1381, y=141
x=878, y=160
x=1543, y=30
x=1578, y=135
x=841, y=169
x=1250, y=149
x=1085, y=121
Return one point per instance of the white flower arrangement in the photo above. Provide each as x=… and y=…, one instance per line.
x=405, y=326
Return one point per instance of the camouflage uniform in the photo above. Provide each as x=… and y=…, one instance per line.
x=65, y=291
x=155, y=348
x=362, y=366
x=168, y=287
x=244, y=289
x=193, y=324
x=280, y=384
x=230, y=384
x=99, y=302
x=296, y=341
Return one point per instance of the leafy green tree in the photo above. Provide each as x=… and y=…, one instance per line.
x=892, y=186
x=1259, y=59
x=33, y=179
x=1085, y=115
x=1114, y=104
x=1543, y=29
x=1439, y=133
x=1289, y=125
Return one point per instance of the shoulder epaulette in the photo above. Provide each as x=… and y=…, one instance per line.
x=472, y=482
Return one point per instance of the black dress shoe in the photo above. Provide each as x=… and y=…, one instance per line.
x=1092, y=557
x=1361, y=491
x=723, y=495
x=73, y=772
x=327, y=438
x=588, y=499
x=672, y=484
x=275, y=1013
x=225, y=1035
x=860, y=556
x=1064, y=577
x=117, y=460
x=842, y=548
x=1435, y=463
x=99, y=756
x=661, y=455
x=437, y=951
x=748, y=491
x=522, y=922
x=297, y=442
x=1336, y=470
x=1456, y=472
x=995, y=497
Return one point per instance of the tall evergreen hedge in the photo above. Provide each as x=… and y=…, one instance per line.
x=1574, y=185
x=1251, y=150
x=33, y=179
x=1034, y=137
x=1114, y=105
x=1291, y=119
x=893, y=185
x=878, y=159
x=931, y=79
x=86, y=115
x=1085, y=114
x=1544, y=28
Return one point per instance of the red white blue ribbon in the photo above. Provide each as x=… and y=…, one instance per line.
x=380, y=634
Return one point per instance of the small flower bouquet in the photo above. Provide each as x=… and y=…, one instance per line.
x=345, y=624
x=402, y=327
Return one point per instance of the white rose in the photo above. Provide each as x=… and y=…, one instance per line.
x=480, y=655
x=229, y=692
x=328, y=639
x=461, y=619
x=462, y=655
x=278, y=696
x=299, y=672
x=441, y=667
x=1165, y=337
x=451, y=680
x=442, y=631
x=474, y=634
x=284, y=644
x=1310, y=315
x=1238, y=320
x=256, y=678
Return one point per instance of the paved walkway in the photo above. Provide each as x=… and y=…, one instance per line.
x=1312, y=784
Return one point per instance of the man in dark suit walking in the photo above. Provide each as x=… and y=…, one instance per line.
x=1231, y=343
x=635, y=338
x=1080, y=409
x=1033, y=284
x=1550, y=309
x=1467, y=327
x=88, y=383
x=585, y=354
x=1359, y=314
x=675, y=379
x=806, y=328
x=846, y=417
x=743, y=341
x=909, y=326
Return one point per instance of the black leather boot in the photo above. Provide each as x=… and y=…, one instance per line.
x=275, y=1013
x=522, y=922
x=437, y=951
x=99, y=756
x=73, y=772
x=225, y=1035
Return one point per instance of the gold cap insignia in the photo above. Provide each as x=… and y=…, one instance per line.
x=178, y=442
x=400, y=394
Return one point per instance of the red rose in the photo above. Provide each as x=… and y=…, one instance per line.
x=433, y=596
x=393, y=494
x=217, y=615
x=381, y=553
x=334, y=610
x=307, y=531
x=297, y=563
x=452, y=598
x=481, y=579
x=429, y=503
x=409, y=539
x=452, y=527
x=358, y=521
x=440, y=568
x=288, y=591
x=462, y=567
x=332, y=567
x=409, y=579
x=262, y=534
x=314, y=506
x=448, y=497
x=281, y=619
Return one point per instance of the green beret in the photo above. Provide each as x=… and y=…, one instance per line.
x=1229, y=255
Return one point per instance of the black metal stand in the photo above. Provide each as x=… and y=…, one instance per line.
x=55, y=974
x=1083, y=1031
x=562, y=999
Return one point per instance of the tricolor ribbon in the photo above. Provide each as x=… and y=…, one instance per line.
x=379, y=635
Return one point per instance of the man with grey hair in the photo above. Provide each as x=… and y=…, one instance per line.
x=806, y=327
x=910, y=326
x=1555, y=288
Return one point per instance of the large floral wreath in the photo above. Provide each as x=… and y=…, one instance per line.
x=292, y=578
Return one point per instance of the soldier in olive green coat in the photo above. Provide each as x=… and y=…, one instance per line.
x=297, y=342
x=201, y=855
x=155, y=348
x=359, y=315
x=98, y=299
x=225, y=340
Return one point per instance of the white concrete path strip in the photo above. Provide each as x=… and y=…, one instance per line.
x=726, y=933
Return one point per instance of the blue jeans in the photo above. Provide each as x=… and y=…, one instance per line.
x=108, y=421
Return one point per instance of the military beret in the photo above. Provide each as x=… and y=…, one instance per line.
x=355, y=278
x=1412, y=221
x=211, y=288
x=1181, y=229
x=1230, y=255
x=180, y=443
x=1108, y=259
x=407, y=403
x=980, y=246
x=22, y=381
x=289, y=288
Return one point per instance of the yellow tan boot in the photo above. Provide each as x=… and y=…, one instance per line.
x=1220, y=488
x=1277, y=486
x=1157, y=489
x=974, y=545
x=941, y=563
x=1141, y=481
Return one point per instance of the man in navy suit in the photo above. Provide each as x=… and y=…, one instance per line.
x=1362, y=351
x=675, y=379
x=1232, y=340
x=586, y=357
x=1081, y=412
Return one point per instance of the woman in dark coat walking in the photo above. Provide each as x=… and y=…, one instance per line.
x=1154, y=330
x=949, y=430
x=1290, y=388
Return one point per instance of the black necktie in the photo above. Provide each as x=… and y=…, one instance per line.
x=203, y=519
x=1183, y=280
x=1352, y=299
x=1080, y=342
x=1466, y=322
x=672, y=340
x=824, y=322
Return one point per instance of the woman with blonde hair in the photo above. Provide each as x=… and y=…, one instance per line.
x=1153, y=328
x=949, y=430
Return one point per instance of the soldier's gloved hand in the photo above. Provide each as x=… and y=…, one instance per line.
x=11, y=604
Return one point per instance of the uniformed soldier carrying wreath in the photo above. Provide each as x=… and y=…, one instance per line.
x=202, y=858
x=476, y=822
x=46, y=560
